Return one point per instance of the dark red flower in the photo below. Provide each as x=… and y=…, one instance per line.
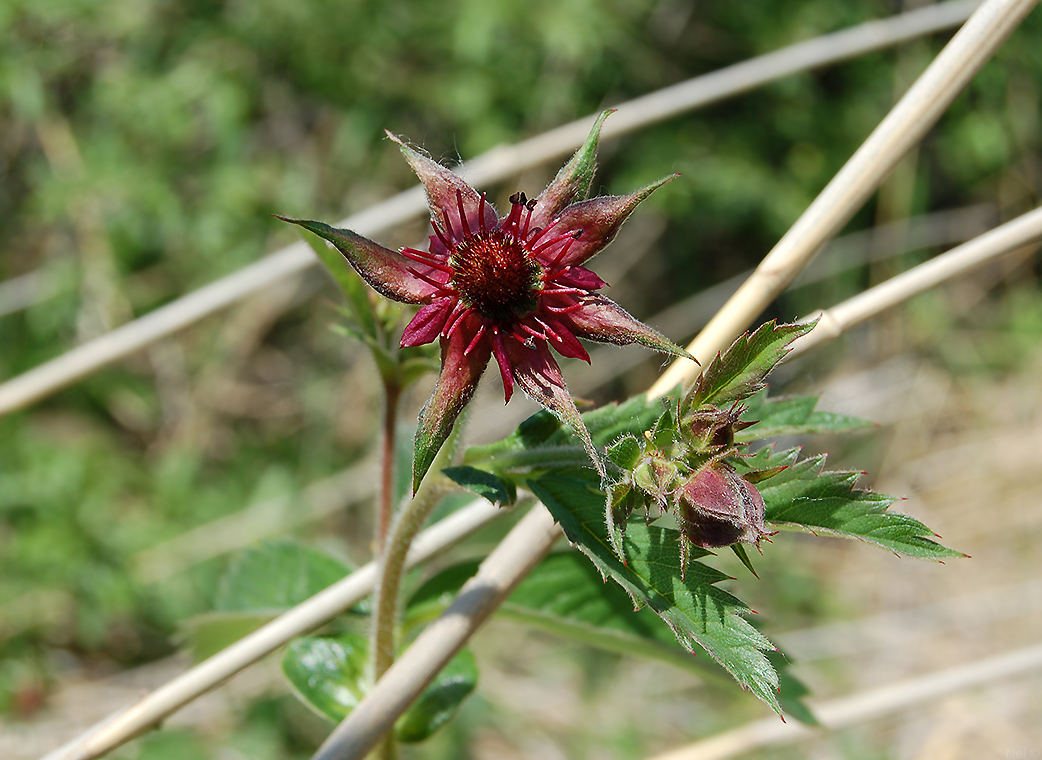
x=509, y=288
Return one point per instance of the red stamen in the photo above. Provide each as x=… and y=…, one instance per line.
x=547, y=329
x=451, y=319
x=528, y=219
x=448, y=227
x=462, y=213
x=560, y=255
x=458, y=322
x=441, y=236
x=570, y=235
x=563, y=291
x=531, y=331
x=517, y=202
x=524, y=340
x=441, y=286
x=543, y=231
x=422, y=257
x=470, y=347
x=481, y=214
x=563, y=309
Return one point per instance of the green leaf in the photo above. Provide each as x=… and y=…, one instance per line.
x=439, y=701
x=574, y=179
x=792, y=415
x=484, y=484
x=792, y=691
x=328, y=674
x=804, y=496
x=274, y=576
x=211, y=633
x=541, y=443
x=537, y=428
x=693, y=607
x=565, y=595
x=259, y=584
x=739, y=371
x=743, y=557
x=625, y=452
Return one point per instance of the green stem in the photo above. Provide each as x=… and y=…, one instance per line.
x=392, y=567
x=392, y=393
x=544, y=457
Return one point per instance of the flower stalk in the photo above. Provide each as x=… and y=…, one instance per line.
x=392, y=564
x=385, y=506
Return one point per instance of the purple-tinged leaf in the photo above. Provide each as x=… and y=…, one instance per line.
x=447, y=192
x=599, y=219
x=604, y=321
x=459, y=376
x=388, y=272
x=539, y=376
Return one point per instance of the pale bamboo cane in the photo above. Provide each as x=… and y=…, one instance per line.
x=903, y=127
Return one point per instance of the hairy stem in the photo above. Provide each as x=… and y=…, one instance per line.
x=385, y=505
x=392, y=566
x=548, y=457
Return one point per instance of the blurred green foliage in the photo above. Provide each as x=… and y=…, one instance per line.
x=144, y=144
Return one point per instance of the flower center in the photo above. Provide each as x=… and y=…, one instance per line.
x=494, y=275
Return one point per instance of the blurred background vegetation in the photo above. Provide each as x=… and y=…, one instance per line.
x=144, y=145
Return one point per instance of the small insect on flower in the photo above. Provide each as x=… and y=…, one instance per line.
x=509, y=288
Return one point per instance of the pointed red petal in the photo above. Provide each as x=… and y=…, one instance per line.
x=388, y=272
x=573, y=181
x=563, y=340
x=428, y=323
x=579, y=277
x=456, y=383
x=539, y=376
x=598, y=219
x=604, y=321
x=446, y=192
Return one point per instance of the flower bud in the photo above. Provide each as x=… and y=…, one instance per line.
x=658, y=476
x=712, y=430
x=717, y=507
